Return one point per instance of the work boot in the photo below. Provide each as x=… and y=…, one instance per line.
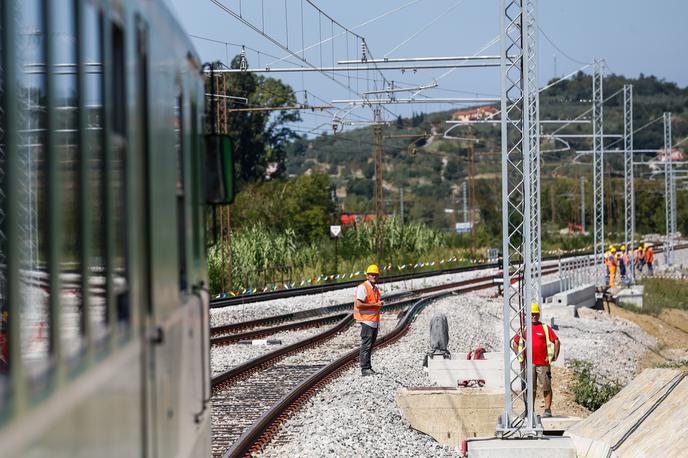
x=547, y=414
x=366, y=372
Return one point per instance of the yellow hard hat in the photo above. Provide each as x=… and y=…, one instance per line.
x=623, y=247
x=534, y=308
x=612, y=249
x=373, y=269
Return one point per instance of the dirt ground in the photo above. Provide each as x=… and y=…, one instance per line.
x=670, y=329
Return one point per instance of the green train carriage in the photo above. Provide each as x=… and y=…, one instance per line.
x=103, y=282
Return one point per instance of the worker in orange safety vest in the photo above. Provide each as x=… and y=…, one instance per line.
x=367, y=305
x=649, y=257
x=612, y=265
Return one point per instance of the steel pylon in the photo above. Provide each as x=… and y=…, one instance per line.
x=629, y=183
x=670, y=193
x=598, y=169
x=520, y=208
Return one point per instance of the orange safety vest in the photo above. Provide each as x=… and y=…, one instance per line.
x=364, y=312
x=649, y=255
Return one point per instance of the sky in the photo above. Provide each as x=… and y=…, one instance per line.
x=632, y=36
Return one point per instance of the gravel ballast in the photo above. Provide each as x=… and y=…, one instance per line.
x=255, y=310
x=357, y=416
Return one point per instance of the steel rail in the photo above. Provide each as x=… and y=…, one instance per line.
x=305, y=290
x=267, y=425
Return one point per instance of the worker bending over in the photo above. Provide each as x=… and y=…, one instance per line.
x=545, y=350
x=367, y=305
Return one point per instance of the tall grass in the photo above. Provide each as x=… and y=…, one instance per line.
x=260, y=255
x=662, y=293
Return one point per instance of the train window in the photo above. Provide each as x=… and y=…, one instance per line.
x=95, y=155
x=67, y=140
x=117, y=165
x=4, y=309
x=195, y=185
x=118, y=86
x=181, y=213
x=32, y=224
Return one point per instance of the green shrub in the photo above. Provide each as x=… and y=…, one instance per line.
x=587, y=389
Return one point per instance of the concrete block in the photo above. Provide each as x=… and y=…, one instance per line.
x=547, y=447
x=557, y=423
x=633, y=295
x=550, y=288
x=450, y=415
x=581, y=296
x=646, y=418
x=448, y=372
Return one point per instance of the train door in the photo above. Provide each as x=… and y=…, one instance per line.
x=177, y=423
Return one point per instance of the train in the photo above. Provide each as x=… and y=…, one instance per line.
x=106, y=170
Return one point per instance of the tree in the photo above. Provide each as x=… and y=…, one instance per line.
x=260, y=138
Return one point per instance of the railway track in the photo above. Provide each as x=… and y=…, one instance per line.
x=244, y=395
x=305, y=290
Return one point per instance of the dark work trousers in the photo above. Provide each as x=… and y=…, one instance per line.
x=368, y=336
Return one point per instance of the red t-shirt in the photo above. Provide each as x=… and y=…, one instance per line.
x=540, y=343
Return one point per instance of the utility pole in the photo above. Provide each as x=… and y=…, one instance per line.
x=629, y=184
x=520, y=209
x=471, y=189
x=598, y=169
x=465, y=202
x=401, y=204
x=582, y=189
x=669, y=192
x=379, y=202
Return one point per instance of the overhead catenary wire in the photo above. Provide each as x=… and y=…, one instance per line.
x=425, y=27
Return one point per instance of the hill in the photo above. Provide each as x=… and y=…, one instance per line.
x=431, y=170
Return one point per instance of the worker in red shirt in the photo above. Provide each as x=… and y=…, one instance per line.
x=546, y=347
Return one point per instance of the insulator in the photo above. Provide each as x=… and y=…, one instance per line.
x=364, y=54
x=243, y=63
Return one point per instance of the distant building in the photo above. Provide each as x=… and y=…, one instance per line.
x=476, y=114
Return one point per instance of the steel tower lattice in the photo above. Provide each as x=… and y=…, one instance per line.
x=520, y=207
x=669, y=192
x=598, y=168
x=629, y=184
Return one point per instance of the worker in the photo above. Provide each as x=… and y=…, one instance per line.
x=606, y=263
x=649, y=258
x=545, y=350
x=639, y=259
x=367, y=305
x=612, y=265
x=622, y=262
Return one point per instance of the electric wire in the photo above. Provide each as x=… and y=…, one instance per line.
x=425, y=27
x=559, y=49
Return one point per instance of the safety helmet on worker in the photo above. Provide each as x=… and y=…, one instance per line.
x=534, y=308
x=623, y=247
x=612, y=249
x=373, y=269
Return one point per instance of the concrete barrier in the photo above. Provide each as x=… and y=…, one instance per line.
x=448, y=372
x=646, y=418
x=582, y=296
x=633, y=295
x=550, y=288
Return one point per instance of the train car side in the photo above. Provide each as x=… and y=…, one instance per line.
x=107, y=334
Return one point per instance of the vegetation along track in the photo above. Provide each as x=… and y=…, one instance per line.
x=251, y=400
